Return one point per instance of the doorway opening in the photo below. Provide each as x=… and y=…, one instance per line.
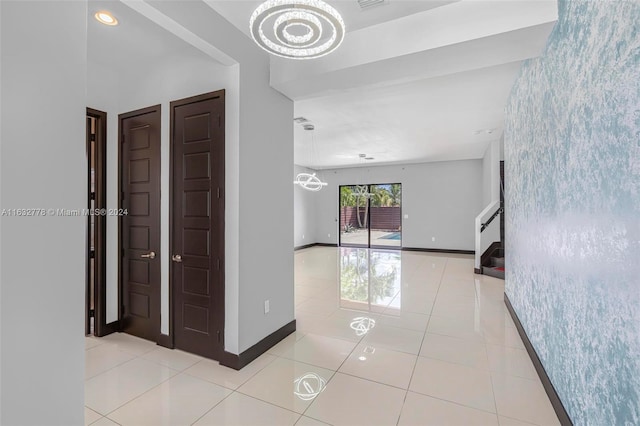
x=371, y=215
x=95, y=309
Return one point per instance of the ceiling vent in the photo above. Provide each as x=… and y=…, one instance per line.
x=368, y=4
x=300, y=120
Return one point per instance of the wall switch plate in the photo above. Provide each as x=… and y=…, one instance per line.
x=266, y=306
x=433, y=238
x=406, y=216
x=329, y=235
x=303, y=236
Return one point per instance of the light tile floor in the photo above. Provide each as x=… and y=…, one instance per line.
x=384, y=338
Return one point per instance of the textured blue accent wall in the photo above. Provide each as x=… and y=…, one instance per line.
x=572, y=165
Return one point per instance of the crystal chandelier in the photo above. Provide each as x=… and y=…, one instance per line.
x=298, y=28
x=309, y=181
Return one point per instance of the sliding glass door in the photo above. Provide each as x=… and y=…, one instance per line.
x=371, y=215
x=385, y=215
x=354, y=215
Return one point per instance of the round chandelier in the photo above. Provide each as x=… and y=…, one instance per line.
x=295, y=28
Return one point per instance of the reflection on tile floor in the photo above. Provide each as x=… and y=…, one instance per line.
x=384, y=337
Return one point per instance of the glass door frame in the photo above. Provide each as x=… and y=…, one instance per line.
x=368, y=224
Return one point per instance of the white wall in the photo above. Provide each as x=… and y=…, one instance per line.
x=263, y=230
x=147, y=85
x=43, y=165
x=304, y=211
x=441, y=199
x=259, y=149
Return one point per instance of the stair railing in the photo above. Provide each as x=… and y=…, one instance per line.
x=483, y=221
x=493, y=216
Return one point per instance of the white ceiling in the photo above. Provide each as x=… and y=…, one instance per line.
x=414, y=81
x=135, y=41
x=238, y=11
x=426, y=120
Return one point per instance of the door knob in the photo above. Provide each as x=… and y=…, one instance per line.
x=150, y=255
x=176, y=258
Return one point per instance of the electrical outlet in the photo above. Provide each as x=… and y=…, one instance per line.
x=433, y=238
x=329, y=235
x=303, y=236
x=406, y=216
x=266, y=307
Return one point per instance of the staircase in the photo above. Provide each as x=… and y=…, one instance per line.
x=493, y=263
x=492, y=260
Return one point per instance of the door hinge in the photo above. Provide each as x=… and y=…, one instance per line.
x=122, y=138
x=218, y=263
x=218, y=336
x=123, y=309
x=122, y=252
x=219, y=121
x=218, y=192
x=92, y=254
x=92, y=196
x=92, y=313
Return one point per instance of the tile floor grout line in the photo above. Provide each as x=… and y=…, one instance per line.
x=424, y=279
x=453, y=402
x=209, y=410
x=373, y=381
x=241, y=384
x=115, y=366
x=423, y=337
x=336, y=371
x=143, y=393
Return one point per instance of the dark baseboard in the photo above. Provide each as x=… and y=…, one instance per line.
x=165, y=341
x=238, y=361
x=304, y=246
x=314, y=245
x=561, y=412
x=477, y=270
x=112, y=327
x=432, y=250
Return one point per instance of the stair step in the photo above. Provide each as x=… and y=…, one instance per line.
x=497, y=261
x=497, y=272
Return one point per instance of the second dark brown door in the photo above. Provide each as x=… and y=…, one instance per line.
x=140, y=226
x=197, y=238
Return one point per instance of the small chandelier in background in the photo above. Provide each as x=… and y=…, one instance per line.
x=362, y=190
x=308, y=18
x=309, y=181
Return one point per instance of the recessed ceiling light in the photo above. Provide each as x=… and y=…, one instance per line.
x=106, y=18
x=369, y=158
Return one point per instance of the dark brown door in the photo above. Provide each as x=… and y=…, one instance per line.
x=140, y=226
x=197, y=238
x=96, y=223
